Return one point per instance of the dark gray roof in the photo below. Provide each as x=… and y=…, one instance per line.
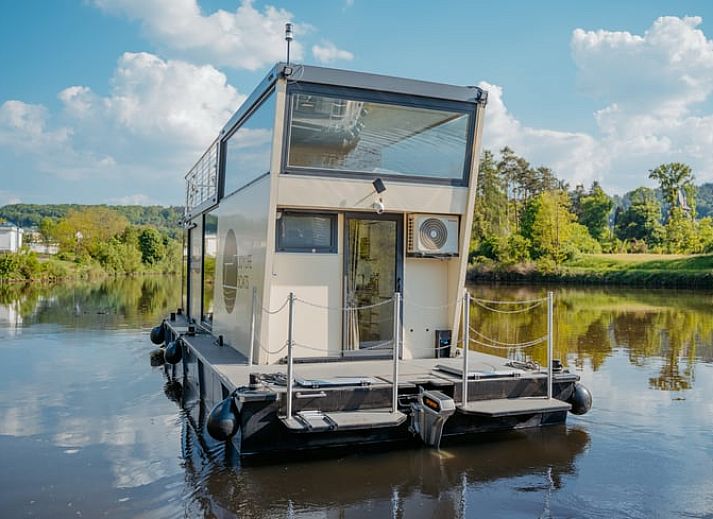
x=361, y=80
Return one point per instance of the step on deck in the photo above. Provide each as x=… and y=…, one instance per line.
x=317, y=421
x=513, y=406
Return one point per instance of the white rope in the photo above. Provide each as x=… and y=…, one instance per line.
x=344, y=308
x=518, y=311
x=507, y=345
x=273, y=312
x=269, y=352
x=522, y=302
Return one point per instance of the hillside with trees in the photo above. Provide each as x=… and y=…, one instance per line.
x=525, y=215
x=95, y=241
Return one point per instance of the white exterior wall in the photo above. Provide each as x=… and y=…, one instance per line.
x=10, y=239
x=427, y=282
x=245, y=212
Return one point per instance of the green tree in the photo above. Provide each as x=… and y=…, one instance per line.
x=641, y=220
x=548, y=224
x=151, y=245
x=676, y=183
x=489, y=215
x=594, y=209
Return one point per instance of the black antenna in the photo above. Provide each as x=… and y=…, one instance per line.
x=288, y=39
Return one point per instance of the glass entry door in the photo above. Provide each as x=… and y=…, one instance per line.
x=372, y=273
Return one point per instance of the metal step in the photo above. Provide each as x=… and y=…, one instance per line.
x=317, y=421
x=513, y=406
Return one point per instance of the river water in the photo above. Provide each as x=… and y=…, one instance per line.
x=89, y=429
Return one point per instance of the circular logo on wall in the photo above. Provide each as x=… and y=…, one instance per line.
x=230, y=271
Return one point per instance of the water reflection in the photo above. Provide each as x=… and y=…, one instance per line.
x=127, y=302
x=88, y=427
x=591, y=324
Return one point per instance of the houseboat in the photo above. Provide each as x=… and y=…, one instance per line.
x=327, y=233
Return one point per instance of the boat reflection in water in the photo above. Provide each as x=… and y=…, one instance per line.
x=401, y=483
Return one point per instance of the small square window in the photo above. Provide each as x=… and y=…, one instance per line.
x=307, y=232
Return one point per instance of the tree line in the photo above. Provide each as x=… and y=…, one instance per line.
x=525, y=213
x=98, y=239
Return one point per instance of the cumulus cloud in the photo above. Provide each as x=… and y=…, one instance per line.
x=327, y=52
x=651, y=86
x=246, y=38
x=158, y=116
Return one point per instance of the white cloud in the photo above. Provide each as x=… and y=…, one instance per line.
x=651, y=84
x=158, y=116
x=571, y=155
x=327, y=52
x=246, y=38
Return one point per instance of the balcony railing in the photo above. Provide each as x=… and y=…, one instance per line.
x=202, y=180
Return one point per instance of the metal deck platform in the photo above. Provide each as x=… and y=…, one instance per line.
x=513, y=406
x=316, y=421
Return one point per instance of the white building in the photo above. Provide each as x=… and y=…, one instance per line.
x=10, y=237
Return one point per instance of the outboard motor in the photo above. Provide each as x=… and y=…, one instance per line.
x=428, y=415
x=581, y=400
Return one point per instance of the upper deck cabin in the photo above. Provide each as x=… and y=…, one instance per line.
x=342, y=188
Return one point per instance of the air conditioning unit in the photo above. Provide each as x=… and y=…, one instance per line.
x=432, y=235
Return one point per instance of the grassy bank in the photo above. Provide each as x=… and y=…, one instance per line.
x=24, y=268
x=653, y=270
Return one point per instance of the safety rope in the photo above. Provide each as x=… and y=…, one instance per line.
x=273, y=312
x=517, y=311
x=521, y=302
x=344, y=308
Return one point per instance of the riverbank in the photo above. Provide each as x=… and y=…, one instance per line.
x=30, y=268
x=646, y=270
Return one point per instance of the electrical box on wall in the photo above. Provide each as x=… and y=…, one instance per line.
x=443, y=343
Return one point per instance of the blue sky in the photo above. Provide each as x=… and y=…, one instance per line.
x=110, y=101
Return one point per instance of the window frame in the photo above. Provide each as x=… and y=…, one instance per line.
x=396, y=99
x=333, y=233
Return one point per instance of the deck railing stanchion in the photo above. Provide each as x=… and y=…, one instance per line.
x=466, y=346
x=252, y=327
x=290, y=344
x=397, y=337
x=550, y=341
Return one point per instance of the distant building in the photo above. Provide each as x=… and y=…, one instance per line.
x=10, y=237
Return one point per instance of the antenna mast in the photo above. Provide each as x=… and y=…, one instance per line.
x=288, y=39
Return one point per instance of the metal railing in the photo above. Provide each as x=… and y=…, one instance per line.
x=202, y=179
x=397, y=301
x=527, y=305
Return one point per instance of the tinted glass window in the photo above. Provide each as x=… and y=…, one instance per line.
x=338, y=133
x=248, y=150
x=304, y=232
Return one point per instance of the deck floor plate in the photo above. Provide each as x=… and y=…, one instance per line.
x=344, y=421
x=513, y=406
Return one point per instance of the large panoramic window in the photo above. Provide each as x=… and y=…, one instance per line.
x=351, y=135
x=248, y=150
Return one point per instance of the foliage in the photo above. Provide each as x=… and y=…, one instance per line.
x=593, y=211
x=676, y=183
x=151, y=246
x=641, y=220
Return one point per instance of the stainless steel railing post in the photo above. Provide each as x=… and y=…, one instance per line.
x=397, y=342
x=466, y=346
x=550, y=345
x=252, y=327
x=290, y=344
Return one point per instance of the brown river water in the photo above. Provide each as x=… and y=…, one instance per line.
x=89, y=429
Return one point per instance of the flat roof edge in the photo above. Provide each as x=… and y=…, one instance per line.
x=382, y=83
x=361, y=80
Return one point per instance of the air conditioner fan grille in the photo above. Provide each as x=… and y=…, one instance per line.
x=433, y=234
